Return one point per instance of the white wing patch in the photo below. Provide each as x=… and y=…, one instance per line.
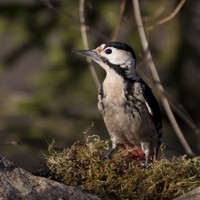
x=149, y=108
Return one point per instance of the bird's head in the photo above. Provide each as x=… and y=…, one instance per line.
x=116, y=56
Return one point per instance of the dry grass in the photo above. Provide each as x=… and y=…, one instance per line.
x=83, y=165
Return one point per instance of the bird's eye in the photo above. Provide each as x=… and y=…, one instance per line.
x=108, y=51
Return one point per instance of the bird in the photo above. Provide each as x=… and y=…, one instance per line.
x=130, y=110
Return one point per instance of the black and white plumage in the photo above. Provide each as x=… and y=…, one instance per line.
x=129, y=108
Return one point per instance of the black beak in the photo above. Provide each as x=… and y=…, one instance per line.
x=88, y=53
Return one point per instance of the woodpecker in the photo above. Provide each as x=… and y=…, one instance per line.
x=130, y=110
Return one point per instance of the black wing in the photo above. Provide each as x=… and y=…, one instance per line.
x=153, y=107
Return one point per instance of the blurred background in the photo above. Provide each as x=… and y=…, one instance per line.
x=47, y=93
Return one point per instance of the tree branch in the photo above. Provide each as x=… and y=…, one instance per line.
x=85, y=42
x=176, y=107
x=156, y=79
x=171, y=16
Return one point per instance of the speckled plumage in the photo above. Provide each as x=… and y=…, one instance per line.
x=126, y=115
x=129, y=108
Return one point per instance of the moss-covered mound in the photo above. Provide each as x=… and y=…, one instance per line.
x=84, y=165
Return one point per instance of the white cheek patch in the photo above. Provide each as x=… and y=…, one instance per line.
x=117, y=57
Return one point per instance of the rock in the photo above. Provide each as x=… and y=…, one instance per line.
x=191, y=195
x=16, y=183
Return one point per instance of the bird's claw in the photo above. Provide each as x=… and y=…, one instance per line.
x=105, y=156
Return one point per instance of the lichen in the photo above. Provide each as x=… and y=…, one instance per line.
x=84, y=165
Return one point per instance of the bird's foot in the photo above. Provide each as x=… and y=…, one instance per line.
x=110, y=154
x=105, y=156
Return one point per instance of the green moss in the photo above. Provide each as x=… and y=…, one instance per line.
x=83, y=165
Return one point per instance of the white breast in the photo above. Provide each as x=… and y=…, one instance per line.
x=113, y=87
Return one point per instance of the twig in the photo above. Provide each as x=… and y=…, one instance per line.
x=121, y=13
x=156, y=13
x=12, y=143
x=171, y=16
x=85, y=42
x=181, y=112
x=156, y=78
